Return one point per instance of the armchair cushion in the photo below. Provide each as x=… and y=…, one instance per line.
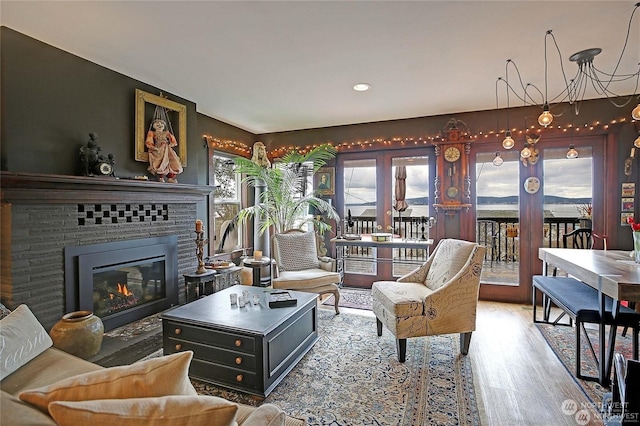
x=297, y=251
x=307, y=279
x=402, y=299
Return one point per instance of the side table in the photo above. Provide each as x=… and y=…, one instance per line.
x=257, y=265
x=195, y=284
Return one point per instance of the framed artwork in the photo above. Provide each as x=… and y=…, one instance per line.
x=624, y=217
x=146, y=103
x=628, y=204
x=628, y=189
x=324, y=181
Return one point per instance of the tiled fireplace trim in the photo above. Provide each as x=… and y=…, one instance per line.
x=42, y=214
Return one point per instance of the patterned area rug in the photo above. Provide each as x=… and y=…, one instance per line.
x=562, y=340
x=352, y=298
x=353, y=377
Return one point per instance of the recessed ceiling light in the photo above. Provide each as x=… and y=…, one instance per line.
x=361, y=87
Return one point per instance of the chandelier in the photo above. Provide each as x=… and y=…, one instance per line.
x=588, y=75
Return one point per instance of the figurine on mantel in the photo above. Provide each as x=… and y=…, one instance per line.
x=163, y=160
x=92, y=162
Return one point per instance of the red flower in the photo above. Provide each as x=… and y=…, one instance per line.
x=634, y=226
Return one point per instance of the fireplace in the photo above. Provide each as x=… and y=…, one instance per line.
x=122, y=281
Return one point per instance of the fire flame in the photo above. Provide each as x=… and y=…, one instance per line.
x=122, y=289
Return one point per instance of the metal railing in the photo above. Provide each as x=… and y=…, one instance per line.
x=499, y=234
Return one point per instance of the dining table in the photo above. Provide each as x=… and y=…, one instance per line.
x=613, y=273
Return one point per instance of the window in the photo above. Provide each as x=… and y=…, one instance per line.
x=226, y=204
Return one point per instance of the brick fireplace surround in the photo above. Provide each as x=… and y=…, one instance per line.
x=43, y=214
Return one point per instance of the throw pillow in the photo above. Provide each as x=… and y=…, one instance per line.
x=297, y=251
x=22, y=338
x=174, y=410
x=266, y=415
x=167, y=375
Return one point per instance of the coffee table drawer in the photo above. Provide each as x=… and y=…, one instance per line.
x=207, y=336
x=231, y=358
x=215, y=373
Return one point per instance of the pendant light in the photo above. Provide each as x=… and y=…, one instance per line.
x=508, y=141
x=636, y=113
x=497, y=160
x=546, y=117
x=572, y=153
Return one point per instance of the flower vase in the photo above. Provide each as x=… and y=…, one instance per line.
x=636, y=246
x=79, y=333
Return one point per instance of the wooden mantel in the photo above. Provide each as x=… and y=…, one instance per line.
x=44, y=188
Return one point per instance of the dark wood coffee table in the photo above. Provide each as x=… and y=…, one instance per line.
x=249, y=349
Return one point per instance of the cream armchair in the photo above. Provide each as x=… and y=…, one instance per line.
x=440, y=297
x=299, y=267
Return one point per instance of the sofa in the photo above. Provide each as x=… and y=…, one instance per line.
x=42, y=385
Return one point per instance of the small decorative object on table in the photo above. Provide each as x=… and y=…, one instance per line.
x=79, y=333
x=200, y=242
x=281, y=299
x=635, y=229
x=381, y=236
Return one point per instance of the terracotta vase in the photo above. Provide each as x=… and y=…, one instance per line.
x=78, y=333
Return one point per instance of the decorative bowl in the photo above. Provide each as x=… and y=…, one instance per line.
x=381, y=237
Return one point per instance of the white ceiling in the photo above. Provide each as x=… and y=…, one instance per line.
x=268, y=66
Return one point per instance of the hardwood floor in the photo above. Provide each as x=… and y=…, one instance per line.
x=517, y=377
x=519, y=380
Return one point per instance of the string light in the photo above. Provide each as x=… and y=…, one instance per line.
x=243, y=148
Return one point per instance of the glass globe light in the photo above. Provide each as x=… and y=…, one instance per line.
x=636, y=143
x=572, y=153
x=635, y=114
x=497, y=160
x=546, y=117
x=526, y=152
x=508, y=141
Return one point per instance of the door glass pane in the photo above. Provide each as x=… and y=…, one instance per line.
x=497, y=204
x=412, y=223
x=360, y=207
x=567, y=193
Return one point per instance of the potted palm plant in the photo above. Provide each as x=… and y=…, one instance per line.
x=285, y=202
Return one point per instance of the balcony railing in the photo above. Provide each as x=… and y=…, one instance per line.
x=499, y=234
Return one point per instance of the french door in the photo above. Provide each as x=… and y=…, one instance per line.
x=366, y=197
x=522, y=207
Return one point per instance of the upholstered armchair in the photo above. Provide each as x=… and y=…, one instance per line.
x=439, y=297
x=298, y=266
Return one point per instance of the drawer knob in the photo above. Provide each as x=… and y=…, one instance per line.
x=178, y=347
x=238, y=342
x=178, y=331
x=239, y=360
x=239, y=378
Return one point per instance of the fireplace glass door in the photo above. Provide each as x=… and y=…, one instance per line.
x=123, y=287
